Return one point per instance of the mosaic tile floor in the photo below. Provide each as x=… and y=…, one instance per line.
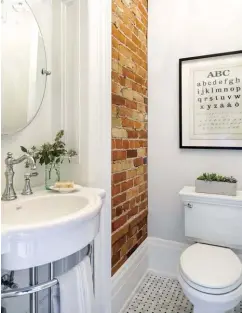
x=161, y=295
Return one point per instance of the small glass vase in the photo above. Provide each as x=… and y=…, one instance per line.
x=52, y=174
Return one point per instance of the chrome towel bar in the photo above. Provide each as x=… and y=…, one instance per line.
x=33, y=289
x=29, y=290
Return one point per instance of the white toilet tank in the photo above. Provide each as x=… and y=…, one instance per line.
x=213, y=219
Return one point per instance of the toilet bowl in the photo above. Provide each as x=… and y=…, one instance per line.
x=211, y=278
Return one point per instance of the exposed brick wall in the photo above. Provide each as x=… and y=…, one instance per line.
x=129, y=128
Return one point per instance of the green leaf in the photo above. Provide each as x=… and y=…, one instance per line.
x=41, y=161
x=23, y=149
x=54, y=152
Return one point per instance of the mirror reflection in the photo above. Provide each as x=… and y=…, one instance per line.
x=23, y=61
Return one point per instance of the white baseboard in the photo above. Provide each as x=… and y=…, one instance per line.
x=164, y=255
x=128, y=277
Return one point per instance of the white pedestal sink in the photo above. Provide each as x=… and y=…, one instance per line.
x=47, y=226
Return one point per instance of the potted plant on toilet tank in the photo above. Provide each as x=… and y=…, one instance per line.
x=216, y=184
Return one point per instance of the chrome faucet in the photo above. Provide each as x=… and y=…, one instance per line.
x=9, y=192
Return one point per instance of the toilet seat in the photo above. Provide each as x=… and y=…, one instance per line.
x=211, y=269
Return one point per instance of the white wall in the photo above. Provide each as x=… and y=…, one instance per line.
x=182, y=28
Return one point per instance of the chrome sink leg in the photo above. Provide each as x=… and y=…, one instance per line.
x=51, y=276
x=33, y=298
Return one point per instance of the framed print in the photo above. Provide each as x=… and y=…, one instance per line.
x=210, y=101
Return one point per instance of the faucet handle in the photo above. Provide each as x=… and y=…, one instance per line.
x=9, y=158
x=29, y=175
x=27, y=190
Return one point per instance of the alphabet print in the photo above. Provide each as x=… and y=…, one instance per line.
x=211, y=101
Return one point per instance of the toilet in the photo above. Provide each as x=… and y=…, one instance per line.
x=210, y=272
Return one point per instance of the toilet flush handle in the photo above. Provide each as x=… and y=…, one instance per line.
x=189, y=205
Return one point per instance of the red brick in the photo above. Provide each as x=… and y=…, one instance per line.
x=142, y=187
x=125, y=144
x=122, y=208
x=118, y=244
x=131, y=45
x=128, y=73
x=133, y=211
x=132, y=202
x=143, y=134
x=139, y=79
x=131, y=104
x=113, y=144
x=133, y=134
x=119, y=199
x=138, y=162
x=124, y=29
x=119, y=177
x=131, y=153
x=137, y=199
x=127, y=123
x=127, y=185
x=119, y=155
x=113, y=213
x=115, y=258
x=118, y=143
x=117, y=266
x=143, y=196
x=118, y=100
x=125, y=112
x=120, y=221
x=125, y=51
x=118, y=35
x=137, y=125
x=136, y=41
x=142, y=9
x=126, y=206
x=115, y=77
x=134, y=144
x=116, y=190
x=120, y=232
x=115, y=43
x=142, y=206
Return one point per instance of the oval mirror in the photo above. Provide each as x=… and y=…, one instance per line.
x=23, y=66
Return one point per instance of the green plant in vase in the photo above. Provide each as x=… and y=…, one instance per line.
x=52, y=155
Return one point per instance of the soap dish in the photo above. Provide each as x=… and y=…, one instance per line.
x=66, y=190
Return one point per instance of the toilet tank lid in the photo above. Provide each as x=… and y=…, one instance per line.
x=188, y=193
x=211, y=266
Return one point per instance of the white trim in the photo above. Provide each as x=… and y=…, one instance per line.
x=73, y=42
x=98, y=138
x=126, y=281
x=164, y=255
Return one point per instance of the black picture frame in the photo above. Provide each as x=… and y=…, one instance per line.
x=182, y=61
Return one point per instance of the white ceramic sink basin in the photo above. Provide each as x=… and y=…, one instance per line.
x=46, y=227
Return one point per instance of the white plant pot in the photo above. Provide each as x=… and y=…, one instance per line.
x=214, y=187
